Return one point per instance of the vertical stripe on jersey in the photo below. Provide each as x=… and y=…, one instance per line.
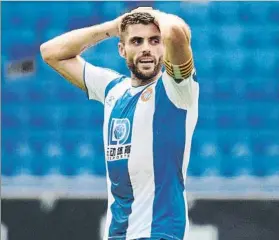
x=191, y=121
x=117, y=92
x=121, y=188
x=141, y=169
x=168, y=130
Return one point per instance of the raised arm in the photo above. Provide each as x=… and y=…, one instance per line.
x=62, y=53
x=177, y=36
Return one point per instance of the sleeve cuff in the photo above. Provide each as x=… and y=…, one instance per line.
x=84, y=80
x=184, y=81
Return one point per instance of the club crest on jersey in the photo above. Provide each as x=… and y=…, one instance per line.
x=119, y=131
x=146, y=95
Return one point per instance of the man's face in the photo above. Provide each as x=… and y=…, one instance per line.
x=143, y=50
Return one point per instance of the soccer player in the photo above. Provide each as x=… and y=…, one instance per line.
x=149, y=118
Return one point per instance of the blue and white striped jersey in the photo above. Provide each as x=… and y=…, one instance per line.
x=147, y=140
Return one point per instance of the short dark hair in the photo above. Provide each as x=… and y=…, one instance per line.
x=136, y=18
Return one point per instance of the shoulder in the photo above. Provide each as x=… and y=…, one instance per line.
x=120, y=82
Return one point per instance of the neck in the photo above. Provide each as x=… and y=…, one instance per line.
x=138, y=82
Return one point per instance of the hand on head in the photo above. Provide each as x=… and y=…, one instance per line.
x=150, y=10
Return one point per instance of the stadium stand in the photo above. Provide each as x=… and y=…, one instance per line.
x=49, y=126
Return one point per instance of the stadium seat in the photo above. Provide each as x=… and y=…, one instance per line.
x=237, y=153
x=169, y=7
x=266, y=166
x=119, y=8
x=188, y=12
x=10, y=163
x=53, y=32
x=216, y=14
x=273, y=15
x=207, y=117
x=206, y=155
x=201, y=43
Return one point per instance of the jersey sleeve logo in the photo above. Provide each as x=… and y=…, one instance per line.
x=110, y=101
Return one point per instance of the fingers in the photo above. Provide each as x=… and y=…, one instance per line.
x=149, y=10
x=142, y=9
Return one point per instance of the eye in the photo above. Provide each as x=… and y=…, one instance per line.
x=155, y=41
x=136, y=41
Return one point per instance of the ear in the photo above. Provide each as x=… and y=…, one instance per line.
x=121, y=49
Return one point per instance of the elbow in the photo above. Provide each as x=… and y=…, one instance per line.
x=44, y=49
x=46, y=52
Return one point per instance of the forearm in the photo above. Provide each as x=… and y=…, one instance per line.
x=177, y=37
x=173, y=27
x=72, y=44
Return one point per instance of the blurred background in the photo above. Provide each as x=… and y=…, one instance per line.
x=52, y=160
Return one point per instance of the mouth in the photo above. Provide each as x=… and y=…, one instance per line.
x=146, y=60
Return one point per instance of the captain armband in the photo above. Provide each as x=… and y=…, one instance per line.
x=179, y=72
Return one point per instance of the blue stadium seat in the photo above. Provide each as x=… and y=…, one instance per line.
x=53, y=32
x=246, y=15
x=206, y=155
x=119, y=8
x=71, y=94
x=27, y=47
x=12, y=94
x=79, y=22
x=205, y=71
x=207, y=117
x=77, y=118
x=10, y=118
x=37, y=93
x=170, y=7
x=237, y=153
x=224, y=13
x=39, y=119
x=80, y=152
x=223, y=90
x=45, y=155
x=227, y=118
x=273, y=15
x=19, y=154
x=188, y=11
x=9, y=163
x=90, y=157
x=266, y=166
x=201, y=43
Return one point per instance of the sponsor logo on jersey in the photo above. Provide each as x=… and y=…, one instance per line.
x=119, y=132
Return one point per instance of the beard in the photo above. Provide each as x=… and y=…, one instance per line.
x=142, y=75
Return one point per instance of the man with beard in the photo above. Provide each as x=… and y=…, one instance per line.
x=149, y=118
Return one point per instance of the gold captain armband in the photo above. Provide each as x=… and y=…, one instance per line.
x=181, y=71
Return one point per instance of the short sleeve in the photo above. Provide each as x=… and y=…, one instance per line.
x=96, y=79
x=185, y=94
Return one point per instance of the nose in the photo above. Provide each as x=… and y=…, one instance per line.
x=146, y=53
x=146, y=48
